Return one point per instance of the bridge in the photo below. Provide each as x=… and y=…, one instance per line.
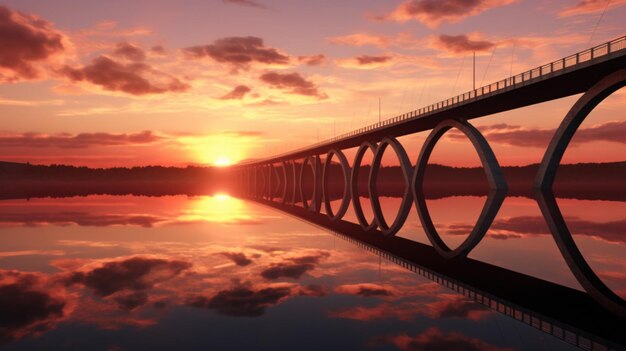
x=562, y=312
x=596, y=72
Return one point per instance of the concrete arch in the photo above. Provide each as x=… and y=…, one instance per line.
x=260, y=190
x=354, y=185
x=283, y=166
x=294, y=185
x=407, y=197
x=316, y=166
x=577, y=264
x=547, y=202
x=571, y=122
x=495, y=178
x=345, y=168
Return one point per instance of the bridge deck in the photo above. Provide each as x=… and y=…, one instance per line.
x=565, y=77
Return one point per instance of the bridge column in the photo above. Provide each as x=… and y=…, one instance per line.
x=407, y=197
x=316, y=167
x=354, y=185
x=345, y=169
x=547, y=202
x=495, y=178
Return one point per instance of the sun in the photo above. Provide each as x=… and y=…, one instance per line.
x=222, y=161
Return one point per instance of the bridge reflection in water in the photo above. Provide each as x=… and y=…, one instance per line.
x=565, y=313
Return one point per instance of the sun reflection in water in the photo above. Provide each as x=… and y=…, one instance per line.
x=220, y=207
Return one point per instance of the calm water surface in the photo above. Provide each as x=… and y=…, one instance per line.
x=177, y=272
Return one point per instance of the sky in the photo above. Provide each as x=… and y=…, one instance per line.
x=175, y=83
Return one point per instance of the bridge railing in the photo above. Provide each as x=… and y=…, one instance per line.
x=521, y=79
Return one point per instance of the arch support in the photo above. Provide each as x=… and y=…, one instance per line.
x=354, y=186
x=544, y=181
x=345, y=169
x=407, y=196
x=495, y=178
x=316, y=202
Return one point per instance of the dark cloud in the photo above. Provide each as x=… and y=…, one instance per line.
x=518, y=227
x=518, y=136
x=294, y=83
x=459, y=44
x=25, y=40
x=313, y=60
x=433, y=12
x=293, y=268
x=130, y=52
x=312, y=290
x=136, y=273
x=238, y=52
x=243, y=300
x=237, y=93
x=135, y=78
x=434, y=339
x=77, y=141
x=365, y=290
x=129, y=302
x=26, y=307
x=453, y=306
x=249, y=3
x=364, y=60
x=239, y=258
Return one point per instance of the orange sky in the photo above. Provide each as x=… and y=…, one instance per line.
x=177, y=83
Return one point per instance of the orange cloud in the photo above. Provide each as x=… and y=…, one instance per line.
x=435, y=340
x=313, y=60
x=26, y=41
x=237, y=93
x=133, y=78
x=585, y=7
x=129, y=52
x=238, y=52
x=461, y=44
x=293, y=83
x=433, y=12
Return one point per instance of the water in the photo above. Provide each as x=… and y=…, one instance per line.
x=134, y=272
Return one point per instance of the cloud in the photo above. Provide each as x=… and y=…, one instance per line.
x=293, y=83
x=78, y=141
x=244, y=133
x=129, y=302
x=403, y=312
x=158, y=49
x=28, y=305
x=249, y=3
x=239, y=52
x=361, y=39
x=129, y=52
x=433, y=339
x=433, y=12
x=134, y=78
x=454, y=306
x=518, y=227
x=365, y=290
x=135, y=274
x=26, y=40
x=460, y=44
x=313, y=60
x=293, y=267
x=243, y=300
x=585, y=7
x=237, y=93
x=239, y=258
x=518, y=136
x=365, y=60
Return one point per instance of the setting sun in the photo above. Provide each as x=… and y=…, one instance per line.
x=222, y=161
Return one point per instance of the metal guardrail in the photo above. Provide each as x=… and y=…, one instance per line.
x=524, y=78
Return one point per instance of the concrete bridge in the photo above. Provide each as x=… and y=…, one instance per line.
x=596, y=72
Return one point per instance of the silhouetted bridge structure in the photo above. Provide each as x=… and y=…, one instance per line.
x=595, y=72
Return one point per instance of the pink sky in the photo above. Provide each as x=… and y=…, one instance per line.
x=185, y=82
